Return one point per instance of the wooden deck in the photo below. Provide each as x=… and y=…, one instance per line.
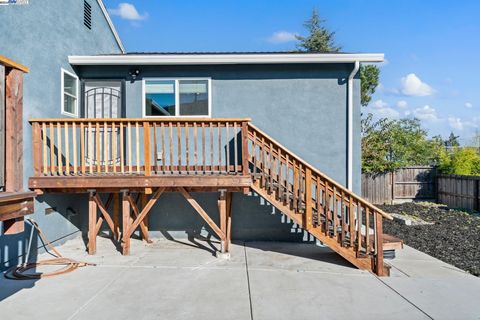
x=135, y=161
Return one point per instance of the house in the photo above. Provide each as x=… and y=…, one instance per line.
x=141, y=142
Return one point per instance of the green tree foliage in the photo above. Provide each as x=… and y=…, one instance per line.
x=462, y=161
x=452, y=141
x=369, y=75
x=391, y=144
x=320, y=39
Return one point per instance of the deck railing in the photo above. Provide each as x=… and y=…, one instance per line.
x=319, y=202
x=74, y=147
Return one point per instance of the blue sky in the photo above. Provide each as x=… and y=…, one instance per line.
x=431, y=47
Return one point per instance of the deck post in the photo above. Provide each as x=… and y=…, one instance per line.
x=125, y=222
x=92, y=222
x=379, y=267
x=116, y=215
x=228, y=234
x=222, y=209
x=245, y=168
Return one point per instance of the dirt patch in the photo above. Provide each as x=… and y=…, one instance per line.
x=454, y=236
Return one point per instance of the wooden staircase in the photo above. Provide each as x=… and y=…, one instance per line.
x=337, y=217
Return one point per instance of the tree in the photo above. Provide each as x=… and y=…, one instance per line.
x=452, y=141
x=463, y=161
x=322, y=40
x=391, y=144
x=319, y=39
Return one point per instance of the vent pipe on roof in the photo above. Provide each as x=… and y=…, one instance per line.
x=356, y=67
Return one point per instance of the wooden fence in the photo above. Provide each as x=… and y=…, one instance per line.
x=459, y=191
x=405, y=184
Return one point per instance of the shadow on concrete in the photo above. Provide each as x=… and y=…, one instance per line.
x=12, y=249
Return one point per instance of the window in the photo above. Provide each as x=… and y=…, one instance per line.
x=177, y=97
x=69, y=94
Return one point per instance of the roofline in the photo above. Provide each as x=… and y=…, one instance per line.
x=200, y=59
x=112, y=27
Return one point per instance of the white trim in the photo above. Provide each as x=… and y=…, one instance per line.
x=195, y=59
x=177, y=96
x=62, y=94
x=110, y=24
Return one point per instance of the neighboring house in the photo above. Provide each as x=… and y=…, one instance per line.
x=309, y=103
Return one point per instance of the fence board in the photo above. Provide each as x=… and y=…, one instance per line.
x=458, y=191
x=409, y=183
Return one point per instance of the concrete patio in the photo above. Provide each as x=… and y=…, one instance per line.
x=262, y=280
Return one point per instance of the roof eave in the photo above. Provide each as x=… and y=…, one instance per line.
x=196, y=59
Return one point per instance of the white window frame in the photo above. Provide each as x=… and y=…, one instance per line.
x=177, y=96
x=62, y=93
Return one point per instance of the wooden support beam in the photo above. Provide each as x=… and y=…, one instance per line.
x=145, y=210
x=143, y=227
x=103, y=210
x=116, y=215
x=92, y=223
x=222, y=209
x=126, y=223
x=202, y=213
x=229, y=221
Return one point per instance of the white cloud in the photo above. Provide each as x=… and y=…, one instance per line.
x=282, y=37
x=379, y=104
x=388, y=113
x=127, y=11
x=402, y=104
x=455, y=123
x=413, y=86
x=426, y=113
x=468, y=104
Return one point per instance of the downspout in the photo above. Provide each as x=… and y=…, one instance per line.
x=350, y=125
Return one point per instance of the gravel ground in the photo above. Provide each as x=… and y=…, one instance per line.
x=454, y=237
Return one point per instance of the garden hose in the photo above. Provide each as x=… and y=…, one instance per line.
x=20, y=272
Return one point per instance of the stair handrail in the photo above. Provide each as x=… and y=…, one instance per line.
x=321, y=174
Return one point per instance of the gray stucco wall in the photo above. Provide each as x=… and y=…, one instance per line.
x=41, y=35
x=302, y=106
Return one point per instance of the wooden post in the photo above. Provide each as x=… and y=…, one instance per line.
x=37, y=149
x=126, y=223
x=222, y=209
x=143, y=203
x=379, y=268
x=147, y=156
x=393, y=187
x=14, y=131
x=229, y=221
x=116, y=216
x=245, y=168
x=307, y=224
x=92, y=222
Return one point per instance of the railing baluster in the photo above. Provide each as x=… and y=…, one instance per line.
x=319, y=202
x=359, y=228
x=295, y=190
x=219, y=147
x=179, y=147
x=163, y=146
x=52, y=149
x=82, y=147
x=171, y=146
x=90, y=147
x=147, y=155
x=326, y=206
x=342, y=213
x=186, y=148
x=105, y=147
x=67, y=150
x=367, y=230
x=351, y=221
x=280, y=175
x=287, y=181
x=228, y=147
x=137, y=144
x=122, y=151
x=98, y=155
x=195, y=150
x=155, y=148
x=235, y=147
x=204, y=156
x=211, y=147
x=74, y=140
x=308, y=199
x=59, y=149
x=129, y=142
x=114, y=147
x=45, y=152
